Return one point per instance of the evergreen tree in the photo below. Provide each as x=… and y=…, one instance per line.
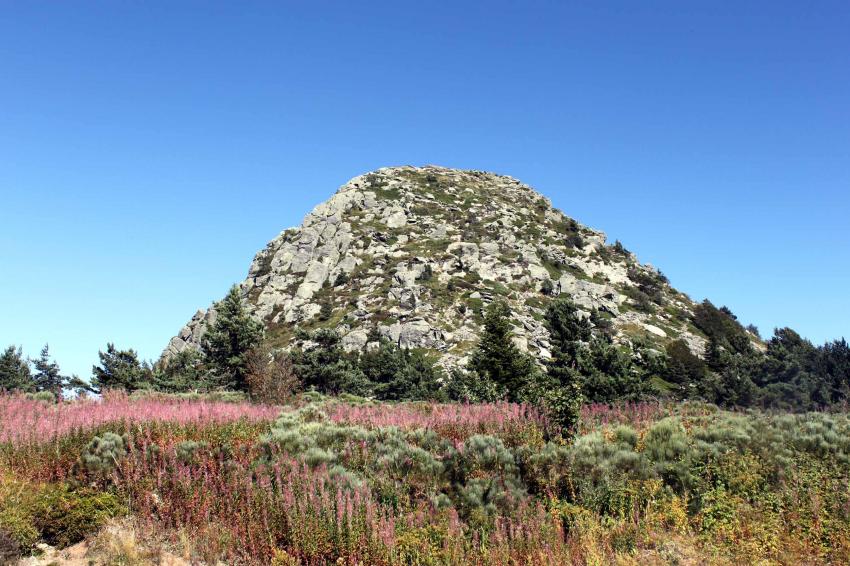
x=326, y=310
x=227, y=343
x=14, y=371
x=722, y=328
x=593, y=364
x=469, y=387
x=683, y=367
x=567, y=330
x=498, y=359
x=120, y=369
x=181, y=373
x=834, y=364
x=323, y=365
x=47, y=375
x=608, y=372
x=399, y=374
x=735, y=386
x=789, y=378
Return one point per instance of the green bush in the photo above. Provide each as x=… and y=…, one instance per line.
x=187, y=451
x=545, y=471
x=563, y=405
x=55, y=514
x=44, y=396
x=64, y=517
x=484, y=479
x=101, y=456
x=667, y=446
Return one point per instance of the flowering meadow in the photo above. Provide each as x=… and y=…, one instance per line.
x=25, y=420
x=331, y=481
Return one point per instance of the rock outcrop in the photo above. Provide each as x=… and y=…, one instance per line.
x=415, y=253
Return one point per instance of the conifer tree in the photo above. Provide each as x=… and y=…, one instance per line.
x=323, y=365
x=399, y=374
x=567, y=333
x=498, y=359
x=119, y=369
x=226, y=344
x=182, y=372
x=14, y=371
x=47, y=375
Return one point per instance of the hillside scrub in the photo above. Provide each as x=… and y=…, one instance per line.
x=327, y=480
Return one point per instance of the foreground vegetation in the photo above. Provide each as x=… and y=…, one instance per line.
x=327, y=481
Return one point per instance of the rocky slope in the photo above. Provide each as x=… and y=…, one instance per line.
x=415, y=253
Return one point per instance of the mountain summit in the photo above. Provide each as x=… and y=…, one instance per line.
x=415, y=254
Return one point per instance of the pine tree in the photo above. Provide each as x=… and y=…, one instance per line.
x=119, y=369
x=567, y=333
x=227, y=343
x=498, y=359
x=323, y=365
x=326, y=311
x=399, y=374
x=181, y=373
x=609, y=373
x=47, y=376
x=14, y=371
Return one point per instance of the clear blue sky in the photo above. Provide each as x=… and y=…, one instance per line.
x=149, y=149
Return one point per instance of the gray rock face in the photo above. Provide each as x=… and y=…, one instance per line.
x=416, y=253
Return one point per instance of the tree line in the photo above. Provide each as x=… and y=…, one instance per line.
x=585, y=364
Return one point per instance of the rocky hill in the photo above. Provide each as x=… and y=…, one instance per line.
x=416, y=253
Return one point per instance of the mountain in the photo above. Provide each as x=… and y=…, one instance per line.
x=416, y=253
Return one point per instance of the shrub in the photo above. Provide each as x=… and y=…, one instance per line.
x=601, y=469
x=53, y=513
x=43, y=396
x=667, y=446
x=187, y=451
x=642, y=301
x=484, y=479
x=16, y=519
x=649, y=283
x=102, y=454
x=64, y=517
x=563, y=406
x=545, y=471
x=326, y=310
x=574, y=240
x=427, y=273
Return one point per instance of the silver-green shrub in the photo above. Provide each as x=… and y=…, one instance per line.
x=102, y=454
